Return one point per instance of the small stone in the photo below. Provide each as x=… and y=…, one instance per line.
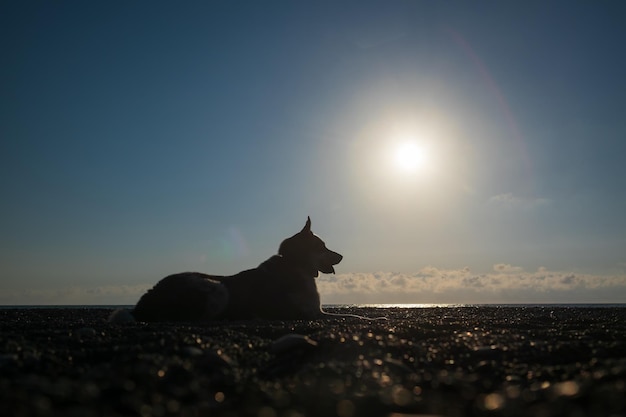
x=292, y=341
x=191, y=351
x=120, y=316
x=397, y=365
x=215, y=360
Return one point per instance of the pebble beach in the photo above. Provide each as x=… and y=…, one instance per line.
x=447, y=361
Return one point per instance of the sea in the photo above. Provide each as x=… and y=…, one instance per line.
x=339, y=306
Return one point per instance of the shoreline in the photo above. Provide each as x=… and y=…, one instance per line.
x=447, y=361
x=343, y=306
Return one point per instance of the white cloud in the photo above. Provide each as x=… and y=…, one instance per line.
x=506, y=283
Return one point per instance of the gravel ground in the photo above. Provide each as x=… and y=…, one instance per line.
x=467, y=361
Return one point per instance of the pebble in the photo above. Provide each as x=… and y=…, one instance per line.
x=191, y=351
x=291, y=342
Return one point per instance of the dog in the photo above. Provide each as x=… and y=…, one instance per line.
x=281, y=288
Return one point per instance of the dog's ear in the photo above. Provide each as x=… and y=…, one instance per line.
x=307, y=226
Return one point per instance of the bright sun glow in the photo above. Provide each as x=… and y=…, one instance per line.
x=409, y=157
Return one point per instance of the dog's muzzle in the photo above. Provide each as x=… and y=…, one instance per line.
x=329, y=259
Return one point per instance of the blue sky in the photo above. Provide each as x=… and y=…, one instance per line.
x=140, y=139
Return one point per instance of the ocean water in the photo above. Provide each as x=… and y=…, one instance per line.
x=574, y=305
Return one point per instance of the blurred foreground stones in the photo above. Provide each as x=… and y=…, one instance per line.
x=467, y=361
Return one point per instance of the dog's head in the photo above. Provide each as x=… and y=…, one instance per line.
x=306, y=250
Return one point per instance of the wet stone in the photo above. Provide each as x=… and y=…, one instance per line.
x=291, y=342
x=191, y=351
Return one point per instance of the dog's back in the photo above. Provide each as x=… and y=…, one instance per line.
x=283, y=287
x=188, y=296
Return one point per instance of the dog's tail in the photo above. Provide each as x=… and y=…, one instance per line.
x=121, y=315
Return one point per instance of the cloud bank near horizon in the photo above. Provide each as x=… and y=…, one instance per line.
x=505, y=283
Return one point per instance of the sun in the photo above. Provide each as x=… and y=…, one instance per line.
x=409, y=157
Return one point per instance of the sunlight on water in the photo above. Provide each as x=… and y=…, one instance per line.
x=394, y=305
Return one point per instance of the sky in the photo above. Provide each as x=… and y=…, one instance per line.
x=452, y=152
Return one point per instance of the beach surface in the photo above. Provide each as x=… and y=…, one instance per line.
x=449, y=361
